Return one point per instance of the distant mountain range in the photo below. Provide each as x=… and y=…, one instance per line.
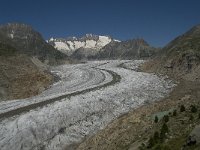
x=102, y=47
x=71, y=44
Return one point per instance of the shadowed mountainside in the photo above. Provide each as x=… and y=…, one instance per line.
x=131, y=49
x=19, y=76
x=180, y=58
x=30, y=42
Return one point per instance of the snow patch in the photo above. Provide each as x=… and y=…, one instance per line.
x=51, y=39
x=103, y=41
x=79, y=44
x=61, y=46
x=90, y=44
x=117, y=40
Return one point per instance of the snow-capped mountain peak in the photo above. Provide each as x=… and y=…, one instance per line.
x=71, y=44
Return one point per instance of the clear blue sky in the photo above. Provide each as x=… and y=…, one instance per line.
x=157, y=21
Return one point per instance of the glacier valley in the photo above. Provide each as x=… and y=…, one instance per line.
x=87, y=97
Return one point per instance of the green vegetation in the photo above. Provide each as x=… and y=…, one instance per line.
x=6, y=50
x=163, y=131
x=193, y=109
x=174, y=113
x=156, y=119
x=151, y=142
x=191, y=117
x=174, y=130
x=161, y=114
x=156, y=137
x=157, y=147
x=182, y=109
x=166, y=118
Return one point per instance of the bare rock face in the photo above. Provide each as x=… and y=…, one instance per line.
x=21, y=75
x=195, y=134
x=131, y=49
x=194, y=137
x=181, y=57
x=24, y=57
x=30, y=42
x=21, y=78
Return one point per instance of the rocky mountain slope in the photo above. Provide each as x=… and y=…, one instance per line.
x=24, y=60
x=28, y=41
x=139, y=129
x=180, y=58
x=19, y=76
x=136, y=48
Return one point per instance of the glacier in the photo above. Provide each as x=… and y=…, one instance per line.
x=68, y=121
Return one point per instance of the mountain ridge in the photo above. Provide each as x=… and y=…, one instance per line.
x=30, y=42
x=20, y=77
x=180, y=58
x=24, y=60
x=89, y=41
x=109, y=48
x=130, y=49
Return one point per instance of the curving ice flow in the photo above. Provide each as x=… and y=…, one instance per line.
x=73, y=78
x=69, y=120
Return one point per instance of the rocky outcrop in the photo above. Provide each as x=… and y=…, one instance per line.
x=180, y=58
x=19, y=76
x=23, y=54
x=30, y=42
x=131, y=49
x=193, y=139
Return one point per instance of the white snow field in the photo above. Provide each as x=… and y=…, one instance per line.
x=89, y=41
x=68, y=120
